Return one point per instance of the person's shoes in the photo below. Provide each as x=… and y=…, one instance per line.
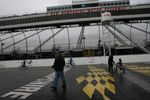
x=53, y=88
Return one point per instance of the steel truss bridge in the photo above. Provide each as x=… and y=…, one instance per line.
x=39, y=22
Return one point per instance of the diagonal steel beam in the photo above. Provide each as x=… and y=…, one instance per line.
x=11, y=36
x=79, y=43
x=23, y=39
x=116, y=36
x=133, y=41
x=47, y=39
x=137, y=28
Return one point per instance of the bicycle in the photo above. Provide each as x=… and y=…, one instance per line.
x=29, y=63
x=23, y=66
x=70, y=63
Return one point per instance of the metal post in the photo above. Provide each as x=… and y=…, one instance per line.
x=99, y=32
x=79, y=42
x=103, y=41
x=26, y=43
x=53, y=39
x=99, y=41
x=109, y=44
x=131, y=38
x=146, y=34
x=39, y=41
x=68, y=39
x=115, y=44
x=14, y=53
x=84, y=44
x=114, y=38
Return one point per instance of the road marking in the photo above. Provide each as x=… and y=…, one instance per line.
x=98, y=79
x=27, y=90
x=145, y=70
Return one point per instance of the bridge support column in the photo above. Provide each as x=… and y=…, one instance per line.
x=79, y=42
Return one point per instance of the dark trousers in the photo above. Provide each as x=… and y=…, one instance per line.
x=59, y=74
x=110, y=69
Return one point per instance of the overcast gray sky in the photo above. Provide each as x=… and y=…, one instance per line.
x=10, y=7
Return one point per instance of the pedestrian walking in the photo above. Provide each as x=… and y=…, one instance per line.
x=58, y=66
x=110, y=64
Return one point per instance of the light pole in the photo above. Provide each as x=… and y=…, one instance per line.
x=84, y=44
x=54, y=44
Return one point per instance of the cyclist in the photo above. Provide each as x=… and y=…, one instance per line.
x=71, y=61
x=24, y=63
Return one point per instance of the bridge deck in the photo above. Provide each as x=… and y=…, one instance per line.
x=83, y=83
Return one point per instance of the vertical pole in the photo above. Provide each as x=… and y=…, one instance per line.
x=99, y=41
x=99, y=32
x=146, y=35
x=26, y=44
x=14, y=44
x=39, y=41
x=109, y=43
x=103, y=41
x=84, y=45
x=39, y=54
x=68, y=39
x=54, y=45
x=131, y=38
x=115, y=41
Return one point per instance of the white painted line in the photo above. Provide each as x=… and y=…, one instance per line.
x=27, y=90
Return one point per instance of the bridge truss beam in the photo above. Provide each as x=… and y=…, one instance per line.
x=36, y=48
x=81, y=37
x=133, y=41
x=116, y=36
x=22, y=40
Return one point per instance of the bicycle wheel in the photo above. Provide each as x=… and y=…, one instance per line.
x=26, y=67
x=20, y=67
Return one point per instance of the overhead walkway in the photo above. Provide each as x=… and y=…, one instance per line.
x=86, y=82
x=127, y=14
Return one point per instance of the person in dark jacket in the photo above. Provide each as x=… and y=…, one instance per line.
x=58, y=66
x=110, y=64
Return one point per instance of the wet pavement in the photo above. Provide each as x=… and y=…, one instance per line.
x=87, y=82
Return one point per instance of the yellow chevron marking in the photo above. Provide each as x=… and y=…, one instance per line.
x=100, y=77
x=89, y=90
x=80, y=79
x=145, y=70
